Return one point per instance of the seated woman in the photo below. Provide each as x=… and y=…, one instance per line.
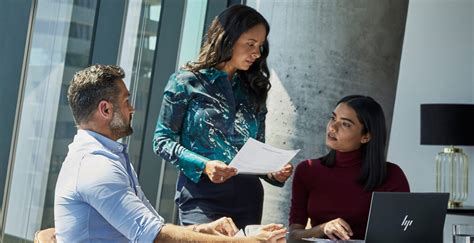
x=335, y=190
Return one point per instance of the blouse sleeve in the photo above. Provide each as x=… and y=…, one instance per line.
x=299, y=197
x=168, y=131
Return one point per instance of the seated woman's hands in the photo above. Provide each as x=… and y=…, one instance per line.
x=337, y=229
x=218, y=171
x=283, y=174
x=224, y=227
x=274, y=233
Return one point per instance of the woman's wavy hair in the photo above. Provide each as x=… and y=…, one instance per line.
x=371, y=116
x=223, y=33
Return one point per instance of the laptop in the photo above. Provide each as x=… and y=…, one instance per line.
x=406, y=217
x=403, y=217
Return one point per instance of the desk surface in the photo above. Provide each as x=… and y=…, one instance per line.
x=467, y=210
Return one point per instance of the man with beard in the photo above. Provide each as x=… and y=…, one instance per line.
x=98, y=197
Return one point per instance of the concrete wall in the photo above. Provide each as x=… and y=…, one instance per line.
x=321, y=51
x=437, y=66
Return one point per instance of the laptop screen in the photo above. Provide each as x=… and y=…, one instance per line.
x=406, y=217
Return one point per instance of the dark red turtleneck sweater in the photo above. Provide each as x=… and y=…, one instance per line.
x=323, y=194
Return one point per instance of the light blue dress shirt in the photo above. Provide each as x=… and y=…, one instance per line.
x=98, y=197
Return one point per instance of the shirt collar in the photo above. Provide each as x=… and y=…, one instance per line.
x=108, y=143
x=213, y=74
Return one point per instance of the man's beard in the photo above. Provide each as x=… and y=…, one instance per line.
x=119, y=127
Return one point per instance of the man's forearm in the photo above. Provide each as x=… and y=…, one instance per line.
x=173, y=233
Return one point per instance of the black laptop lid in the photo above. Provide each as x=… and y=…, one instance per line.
x=406, y=217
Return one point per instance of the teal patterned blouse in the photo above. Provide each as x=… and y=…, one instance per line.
x=204, y=116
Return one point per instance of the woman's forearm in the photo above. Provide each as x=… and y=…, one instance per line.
x=297, y=233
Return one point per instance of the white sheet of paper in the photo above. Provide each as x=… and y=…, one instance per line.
x=240, y=233
x=249, y=230
x=258, y=158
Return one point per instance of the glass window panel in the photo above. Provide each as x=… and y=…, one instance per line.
x=192, y=31
x=61, y=41
x=189, y=50
x=141, y=28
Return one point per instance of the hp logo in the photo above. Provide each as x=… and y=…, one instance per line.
x=406, y=223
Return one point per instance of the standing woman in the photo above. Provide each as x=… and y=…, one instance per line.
x=210, y=108
x=335, y=191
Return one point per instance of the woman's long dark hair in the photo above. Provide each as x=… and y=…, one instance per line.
x=223, y=33
x=371, y=116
